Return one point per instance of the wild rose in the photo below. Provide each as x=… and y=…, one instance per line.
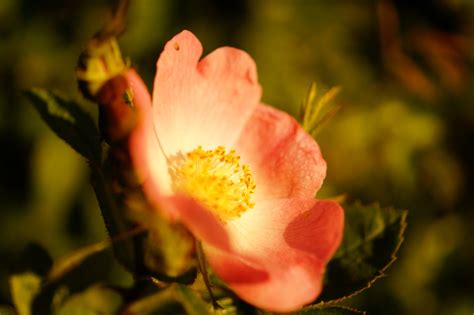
x=240, y=175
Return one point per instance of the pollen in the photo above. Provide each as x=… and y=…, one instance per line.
x=215, y=178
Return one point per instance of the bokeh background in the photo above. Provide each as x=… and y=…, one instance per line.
x=404, y=136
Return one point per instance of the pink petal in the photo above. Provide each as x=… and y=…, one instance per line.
x=279, y=252
x=204, y=225
x=147, y=158
x=286, y=162
x=203, y=102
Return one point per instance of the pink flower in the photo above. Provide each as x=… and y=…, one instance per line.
x=240, y=175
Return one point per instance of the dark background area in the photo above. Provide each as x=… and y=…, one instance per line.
x=404, y=136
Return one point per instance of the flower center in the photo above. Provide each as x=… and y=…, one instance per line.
x=215, y=179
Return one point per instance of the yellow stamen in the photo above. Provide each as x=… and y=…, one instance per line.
x=215, y=179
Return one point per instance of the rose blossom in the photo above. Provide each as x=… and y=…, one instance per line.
x=240, y=175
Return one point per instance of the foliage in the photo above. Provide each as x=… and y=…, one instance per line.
x=403, y=137
x=372, y=238
x=69, y=122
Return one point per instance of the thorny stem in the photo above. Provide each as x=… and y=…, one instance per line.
x=203, y=268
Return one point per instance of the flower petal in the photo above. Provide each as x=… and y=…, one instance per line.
x=147, y=158
x=286, y=162
x=204, y=225
x=279, y=252
x=202, y=103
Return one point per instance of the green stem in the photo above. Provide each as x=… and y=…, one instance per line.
x=203, y=268
x=114, y=219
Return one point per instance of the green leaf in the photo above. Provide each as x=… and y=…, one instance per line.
x=151, y=303
x=331, y=310
x=191, y=301
x=69, y=121
x=96, y=300
x=315, y=111
x=168, y=250
x=165, y=302
x=372, y=238
x=321, y=310
x=24, y=287
x=71, y=261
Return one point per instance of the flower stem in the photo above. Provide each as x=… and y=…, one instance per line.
x=203, y=268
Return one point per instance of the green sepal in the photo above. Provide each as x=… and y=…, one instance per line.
x=100, y=62
x=168, y=249
x=102, y=59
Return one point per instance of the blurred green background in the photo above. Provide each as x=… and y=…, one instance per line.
x=404, y=136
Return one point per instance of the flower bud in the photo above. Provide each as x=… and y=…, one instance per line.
x=102, y=78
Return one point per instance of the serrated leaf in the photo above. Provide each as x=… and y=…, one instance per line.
x=96, y=300
x=69, y=121
x=321, y=310
x=372, y=238
x=331, y=310
x=24, y=287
